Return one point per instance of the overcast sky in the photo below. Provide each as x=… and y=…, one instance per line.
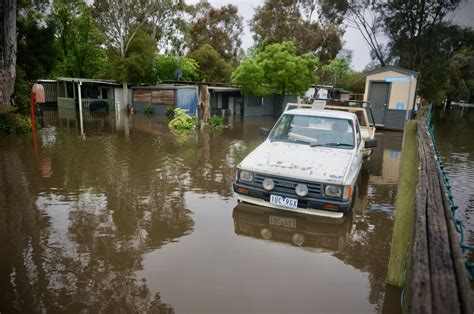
x=352, y=38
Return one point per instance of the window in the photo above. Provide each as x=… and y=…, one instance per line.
x=314, y=131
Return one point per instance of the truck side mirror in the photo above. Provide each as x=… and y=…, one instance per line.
x=263, y=132
x=370, y=143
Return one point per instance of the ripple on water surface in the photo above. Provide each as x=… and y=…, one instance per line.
x=132, y=218
x=454, y=135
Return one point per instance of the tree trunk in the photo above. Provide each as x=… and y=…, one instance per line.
x=122, y=55
x=125, y=94
x=281, y=108
x=10, y=45
x=204, y=102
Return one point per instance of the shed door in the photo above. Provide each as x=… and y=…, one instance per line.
x=187, y=98
x=378, y=97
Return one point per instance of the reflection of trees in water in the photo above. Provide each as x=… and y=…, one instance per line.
x=205, y=158
x=118, y=199
x=20, y=240
x=113, y=218
x=212, y=163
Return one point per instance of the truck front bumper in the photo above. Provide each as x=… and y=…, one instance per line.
x=313, y=206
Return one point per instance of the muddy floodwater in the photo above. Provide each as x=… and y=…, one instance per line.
x=130, y=218
x=454, y=129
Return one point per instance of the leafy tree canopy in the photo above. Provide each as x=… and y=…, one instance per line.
x=356, y=83
x=296, y=21
x=166, y=66
x=212, y=67
x=37, y=53
x=276, y=69
x=137, y=66
x=79, y=40
x=338, y=73
x=461, y=76
x=424, y=40
x=219, y=27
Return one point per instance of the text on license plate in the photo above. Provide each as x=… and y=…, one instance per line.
x=284, y=201
x=282, y=221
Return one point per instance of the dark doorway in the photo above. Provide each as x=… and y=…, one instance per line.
x=378, y=98
x=104, y=93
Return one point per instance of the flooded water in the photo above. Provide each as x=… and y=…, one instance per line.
x=454, y=131
x=132, y=218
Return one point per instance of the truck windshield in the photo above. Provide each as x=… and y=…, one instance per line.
x=314, y=131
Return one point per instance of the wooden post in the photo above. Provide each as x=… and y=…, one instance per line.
x=80, y=107
x=204, y=102
x=404, y=207
x=33, y=109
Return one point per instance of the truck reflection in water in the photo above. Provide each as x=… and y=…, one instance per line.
x=297, y=229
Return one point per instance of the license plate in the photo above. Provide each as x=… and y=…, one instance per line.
x=284, y=201
x=282, y=222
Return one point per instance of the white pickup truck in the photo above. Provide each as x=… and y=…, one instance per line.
x=309, y=163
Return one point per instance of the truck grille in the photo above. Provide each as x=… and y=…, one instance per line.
x=287, y=185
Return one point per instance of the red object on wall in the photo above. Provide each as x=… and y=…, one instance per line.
x=37, y=95
x=38, y=90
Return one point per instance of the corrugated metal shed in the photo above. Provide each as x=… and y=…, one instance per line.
x=395, y=119
x=391, y=92
x=162, y=96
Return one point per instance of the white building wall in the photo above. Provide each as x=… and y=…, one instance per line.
x=401, y=92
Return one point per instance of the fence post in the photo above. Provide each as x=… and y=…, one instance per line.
x=404, y=207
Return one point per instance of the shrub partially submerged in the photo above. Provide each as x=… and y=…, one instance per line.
x=170, y=111
x=148, y=109
x=216, y=122
x=14, y=123
x=182, y=121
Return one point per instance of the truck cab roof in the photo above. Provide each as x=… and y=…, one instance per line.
x=323, y=113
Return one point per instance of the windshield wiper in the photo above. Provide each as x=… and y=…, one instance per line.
x=338, y=144
x=289, y=141
x=331, y=144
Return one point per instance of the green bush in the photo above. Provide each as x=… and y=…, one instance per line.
x=148, y=109
x=216, y=121
x=14, y=123
x=182, y=121
x=22, y=92
x=170, y=111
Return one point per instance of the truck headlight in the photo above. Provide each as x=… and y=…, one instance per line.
x=268, y=184
x=301, y=190
x=245, y=175
x=333, y=190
